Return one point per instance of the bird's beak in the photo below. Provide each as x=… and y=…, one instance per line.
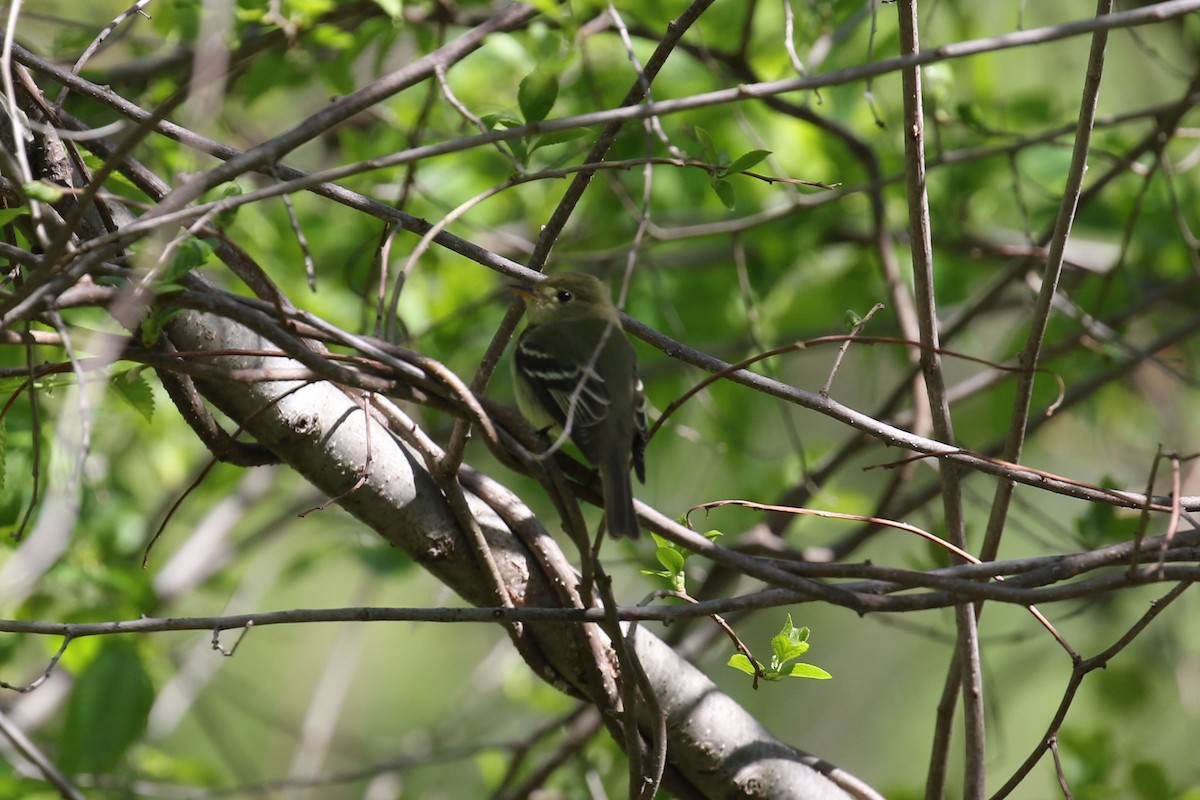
x=521, y=289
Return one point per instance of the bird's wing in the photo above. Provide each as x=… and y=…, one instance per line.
x=574, y=395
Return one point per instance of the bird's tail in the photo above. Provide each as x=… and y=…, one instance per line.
x=618, y=499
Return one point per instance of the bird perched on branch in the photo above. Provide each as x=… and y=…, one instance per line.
x=575, y=370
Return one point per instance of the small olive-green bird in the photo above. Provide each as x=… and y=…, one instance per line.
x=575, y=370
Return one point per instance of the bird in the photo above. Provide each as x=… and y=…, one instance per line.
x=575, y=370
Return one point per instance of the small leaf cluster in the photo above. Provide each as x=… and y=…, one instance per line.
x=536, y=95
x=96, y=740
x=724, y=166
x=673, y=558
x=786, y=646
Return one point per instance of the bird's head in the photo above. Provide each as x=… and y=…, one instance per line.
x=566, y=296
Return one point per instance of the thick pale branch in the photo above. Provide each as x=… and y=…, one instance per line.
x=320, y=430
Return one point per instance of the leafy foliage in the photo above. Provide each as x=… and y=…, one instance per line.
x=786, y=646
x=673, y=559
x=108, y=710
x=748, y=221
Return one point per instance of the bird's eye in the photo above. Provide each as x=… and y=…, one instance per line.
x=564, y=296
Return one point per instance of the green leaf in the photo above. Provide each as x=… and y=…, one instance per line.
x=724, y=192
x=673, y=557
x=500, y=119
x=116, y=180
x=808, y=671
x=546, y=46
x=790, y=642
x=107, y=711
x=1102, y=524
x=518, y=147
x=791, y=632
x=670, y=558
x=152, y=326
x=133, y=388
x=708, y=151
x=741, y=663
x=3, y=451
x=557, y=137
x=7, y=215
x=190, y=254
x=224, y=218
x=746, y=161
x=789, y=652
x=537, y=93
x=549, y=8
x=519, y=150
x=393, y=8
x=36, y=190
